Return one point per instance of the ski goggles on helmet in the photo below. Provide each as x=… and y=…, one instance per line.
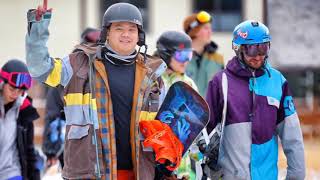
x=183, y=55
x=201, y=18
x=17, y=79
x=253, y=50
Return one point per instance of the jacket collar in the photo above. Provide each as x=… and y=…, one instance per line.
x=237, y=68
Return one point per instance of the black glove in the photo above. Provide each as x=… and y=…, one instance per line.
x=162, y=172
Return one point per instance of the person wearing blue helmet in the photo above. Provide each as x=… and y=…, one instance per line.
x=260, y=109
x=251, y=43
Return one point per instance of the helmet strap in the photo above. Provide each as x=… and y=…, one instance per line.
x=103, y=35
x=144, y=53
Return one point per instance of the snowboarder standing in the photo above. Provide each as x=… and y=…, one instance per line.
x=260, y=109
x=175, y=48
x=107, y=91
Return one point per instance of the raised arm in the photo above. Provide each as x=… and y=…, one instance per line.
x=52, y=71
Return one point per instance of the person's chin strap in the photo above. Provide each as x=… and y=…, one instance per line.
x=144, y=53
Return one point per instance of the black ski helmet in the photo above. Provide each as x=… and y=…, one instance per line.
x=171, y=41
x=121, y=12
x=15, y=65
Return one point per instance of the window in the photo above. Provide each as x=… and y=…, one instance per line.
x=141, y=4
x=297, y=82
x=226, y=13
x=305, y=88
x=302, y=81
x=316, y=87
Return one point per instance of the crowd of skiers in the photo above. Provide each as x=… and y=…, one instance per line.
x=101, y=90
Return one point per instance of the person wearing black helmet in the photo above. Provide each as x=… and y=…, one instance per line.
x=17, y=153
x=175, y=49
x=107, y=90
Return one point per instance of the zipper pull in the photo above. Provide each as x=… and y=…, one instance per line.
x=251, y=116
x=252, y=81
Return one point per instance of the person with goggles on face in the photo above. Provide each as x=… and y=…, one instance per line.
x=260, y=110
x=175, y=49
x=206, y=61
x=17, y=153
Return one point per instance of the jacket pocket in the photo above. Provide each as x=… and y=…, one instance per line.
x=78, y=132
x=79, y=155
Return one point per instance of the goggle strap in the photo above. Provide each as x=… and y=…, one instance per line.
x=4, y=74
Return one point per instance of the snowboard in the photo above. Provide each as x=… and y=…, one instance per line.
x=185, y=111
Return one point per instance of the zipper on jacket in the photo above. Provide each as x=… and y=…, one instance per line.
x=253, y=95
x=91, y=85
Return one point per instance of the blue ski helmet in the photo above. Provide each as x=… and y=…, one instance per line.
x=249, y=32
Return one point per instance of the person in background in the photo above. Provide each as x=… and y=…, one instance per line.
x=206, y=61
x=18, y=156
x=260, y=109
x=175, y=49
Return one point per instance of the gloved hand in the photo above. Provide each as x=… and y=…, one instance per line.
x=42, y=9
x=167, y=147
x=35, y=15
x=162, y=173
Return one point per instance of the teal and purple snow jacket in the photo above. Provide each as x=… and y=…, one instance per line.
x=260, y=109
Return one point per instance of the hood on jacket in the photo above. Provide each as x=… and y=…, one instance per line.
x=238, y=69
x=211, y=47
